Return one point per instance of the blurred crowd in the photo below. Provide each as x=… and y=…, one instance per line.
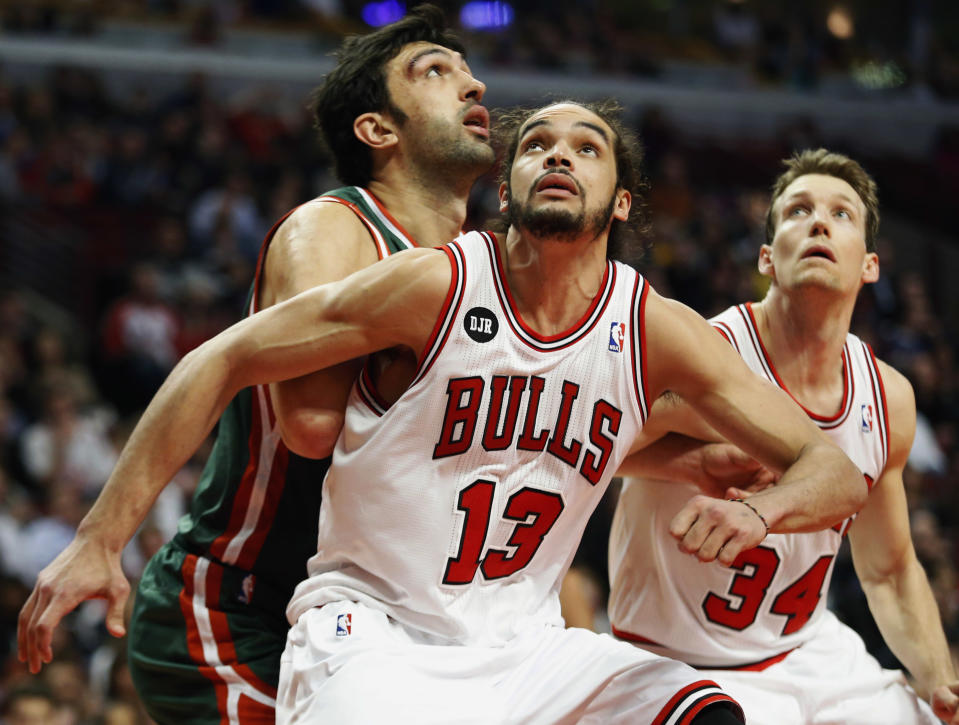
x=129, y=229
x=867, y=45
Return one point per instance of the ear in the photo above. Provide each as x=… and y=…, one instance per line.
x=870, y=268
x=765, y=263
x=624, y=201
x=503, y=198
x=375, y=130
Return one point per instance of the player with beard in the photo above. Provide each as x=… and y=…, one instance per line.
x=401, y=114
x=761, y=627
x=453, y=506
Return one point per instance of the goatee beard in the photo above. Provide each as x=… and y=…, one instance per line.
x=559, y=224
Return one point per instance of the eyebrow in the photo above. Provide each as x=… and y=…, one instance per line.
x=423, y=53
x=584, y=124
x=800, y=195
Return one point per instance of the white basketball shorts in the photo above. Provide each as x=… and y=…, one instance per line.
x=347, y=663
x=830, y=680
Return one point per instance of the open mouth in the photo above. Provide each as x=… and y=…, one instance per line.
x=557, y=182
x=819, y=252
x=477, y=119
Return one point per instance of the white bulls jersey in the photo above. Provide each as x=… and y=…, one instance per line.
x=773, y=597
x=458, y=509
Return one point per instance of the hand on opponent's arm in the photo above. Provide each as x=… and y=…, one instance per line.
x=721, y=470
x=819, y=485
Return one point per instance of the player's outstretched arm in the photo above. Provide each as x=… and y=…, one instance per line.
x=894, y=581
x=394, y=302
x=819, y=485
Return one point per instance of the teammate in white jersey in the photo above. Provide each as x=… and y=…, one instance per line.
x=761, y=628
x=455, y=502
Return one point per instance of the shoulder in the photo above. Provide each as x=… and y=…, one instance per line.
x=317, y=220
x=318, y=242
x=900, y=397
x=665, y=311
x=900, y=408
x=728, y=315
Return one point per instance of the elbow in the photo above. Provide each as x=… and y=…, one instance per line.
x=311, y=434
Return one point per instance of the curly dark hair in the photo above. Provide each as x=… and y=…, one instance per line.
x=357, y=85
x=627, y=239
x=828, y=163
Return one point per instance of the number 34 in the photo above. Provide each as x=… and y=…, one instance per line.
x=758, y=566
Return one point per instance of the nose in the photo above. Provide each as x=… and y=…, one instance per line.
x=558, y=156
x=819, y=226
x=474, y=89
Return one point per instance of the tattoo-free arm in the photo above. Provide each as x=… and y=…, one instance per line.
x=320, y=242
x=899, y=595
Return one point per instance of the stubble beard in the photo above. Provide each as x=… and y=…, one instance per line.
x=559, y=224
x=445, y=154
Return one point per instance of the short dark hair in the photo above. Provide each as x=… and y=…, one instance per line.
x=357, y=85
x=828, y=163
x=625, y=237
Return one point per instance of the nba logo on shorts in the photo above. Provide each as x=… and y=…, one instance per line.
x=617, y=334
x=866, y=418
x=344, y=625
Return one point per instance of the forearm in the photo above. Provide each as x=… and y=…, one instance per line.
x=176, y=422
x=673, y=457
x=905, y=611
x=821, y=488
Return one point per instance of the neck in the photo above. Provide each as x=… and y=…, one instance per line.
x=553, y=282
x=804, y=334
x=432, y=214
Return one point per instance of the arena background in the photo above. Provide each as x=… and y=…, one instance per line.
x=146, y=147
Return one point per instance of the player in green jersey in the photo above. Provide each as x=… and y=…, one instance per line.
x=401, y=113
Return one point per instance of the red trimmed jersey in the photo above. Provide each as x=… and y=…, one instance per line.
x=457, y=510
x=772, y=598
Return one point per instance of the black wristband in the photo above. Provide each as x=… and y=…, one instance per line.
x=752, y=508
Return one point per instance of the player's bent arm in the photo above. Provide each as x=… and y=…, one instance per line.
x=320, y=242
x=676, y=444
x=894, y=581
x=819, y=485
x=719, y=469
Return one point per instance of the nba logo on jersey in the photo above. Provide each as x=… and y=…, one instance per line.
x=866, y=418
x=617, y=334
x=344, y=625
x=246, y=589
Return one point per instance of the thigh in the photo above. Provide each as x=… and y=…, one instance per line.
x=577, y=676
x=197, y=658
x=768, y=696
x=854, y=689
x=835, y=681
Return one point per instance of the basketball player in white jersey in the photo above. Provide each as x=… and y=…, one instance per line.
x=455, y=502
x=760, y=627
